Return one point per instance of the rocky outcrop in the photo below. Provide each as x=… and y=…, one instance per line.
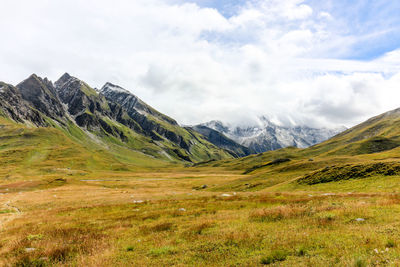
x=41, y=95
x=13, y=106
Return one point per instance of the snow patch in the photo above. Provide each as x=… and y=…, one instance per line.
x=112, y=87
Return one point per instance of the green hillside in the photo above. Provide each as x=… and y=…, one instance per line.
x=57, y=152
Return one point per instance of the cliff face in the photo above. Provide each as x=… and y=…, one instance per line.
x=16, y=108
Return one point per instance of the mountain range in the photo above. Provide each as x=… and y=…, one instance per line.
x=109, y=117
x=114, y=119
x=266, y=135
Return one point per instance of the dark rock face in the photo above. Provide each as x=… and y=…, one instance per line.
x=41, y=94
x=78, y=96
x=15, y=107
x=220, y=140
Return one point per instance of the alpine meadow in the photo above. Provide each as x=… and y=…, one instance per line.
x=281, y=146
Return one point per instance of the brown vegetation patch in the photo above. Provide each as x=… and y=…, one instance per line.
x=159, y=227
x=278, y=213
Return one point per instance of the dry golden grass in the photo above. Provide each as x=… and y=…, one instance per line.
x=159, y=220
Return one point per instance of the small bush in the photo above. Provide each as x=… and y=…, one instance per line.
x=61, y=254
x=275, y=256
x=161, y=227
x=325, y=220
x=129, y=249
x=198, y=229
x=302, y=251
x=162, y=251
x=390, y=244
x=359, y=263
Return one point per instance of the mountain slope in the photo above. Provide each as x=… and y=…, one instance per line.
x=73, y=109
x=268, y=136
x=162, y=129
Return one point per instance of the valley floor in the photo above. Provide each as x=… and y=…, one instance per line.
x=167, y=218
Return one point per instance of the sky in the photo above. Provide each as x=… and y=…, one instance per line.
x=298, y=62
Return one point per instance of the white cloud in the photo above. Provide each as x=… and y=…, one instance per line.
x=274, y=57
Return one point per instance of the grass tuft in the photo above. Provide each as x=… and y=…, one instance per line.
x=275, y=256
x=390, y=244
x=360, y=263
x=167, y=250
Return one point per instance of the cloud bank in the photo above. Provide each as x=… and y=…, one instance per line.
x=291, y=60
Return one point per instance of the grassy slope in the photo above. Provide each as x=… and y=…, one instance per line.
x=54, y=152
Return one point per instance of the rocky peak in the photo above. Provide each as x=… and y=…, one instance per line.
x=79, y=96
x=63, y=79
x=67, y=85
x=15, y=107
x=41, y=94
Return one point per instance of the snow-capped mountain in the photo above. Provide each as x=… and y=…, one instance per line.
x=269, y=136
